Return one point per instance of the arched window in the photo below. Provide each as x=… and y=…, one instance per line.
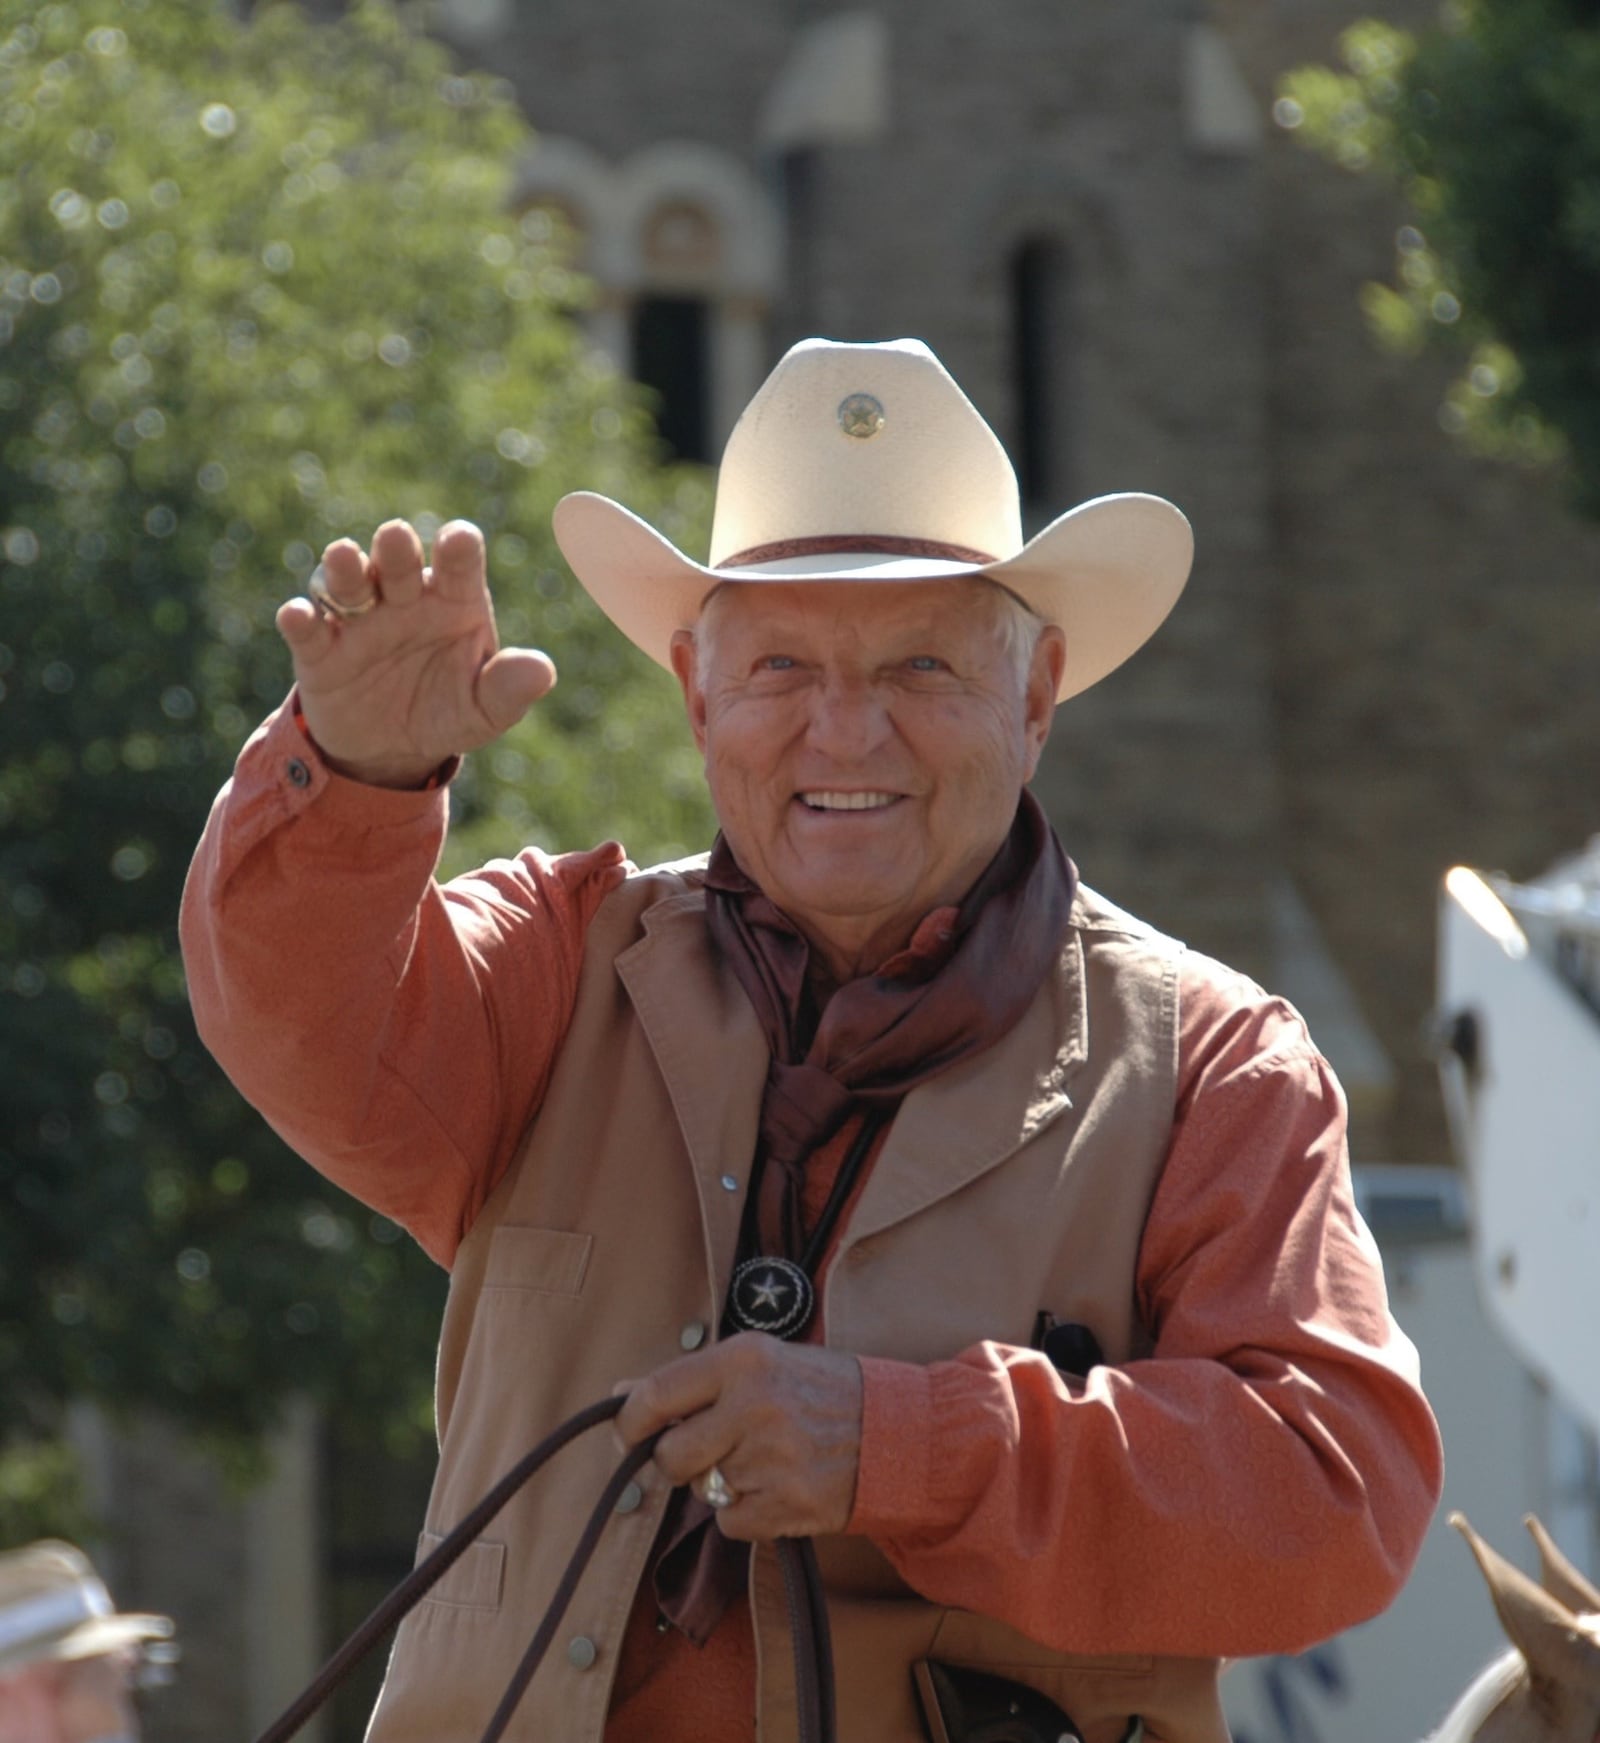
x=685, y=250
x=670, y=329
x=671, y=347
x=1038, y=290
x=681, y=243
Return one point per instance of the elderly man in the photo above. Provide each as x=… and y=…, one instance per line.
x=935, y=1206
x=67, y=1659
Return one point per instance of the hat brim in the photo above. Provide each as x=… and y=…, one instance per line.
x=1108, y=572
x=94, y=1638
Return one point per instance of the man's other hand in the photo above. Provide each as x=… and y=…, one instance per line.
x=782, y=1422
x=418, y=675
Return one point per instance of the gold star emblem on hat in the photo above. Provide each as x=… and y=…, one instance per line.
x=861, y=415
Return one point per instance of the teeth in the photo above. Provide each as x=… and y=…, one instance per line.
x=847, y=801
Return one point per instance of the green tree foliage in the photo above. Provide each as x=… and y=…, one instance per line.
x=1489, y=123
x=261, y=284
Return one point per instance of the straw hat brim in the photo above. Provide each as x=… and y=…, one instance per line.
x=1108, y=572
x=91, y=1639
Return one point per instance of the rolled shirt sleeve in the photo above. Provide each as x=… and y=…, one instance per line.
x=397, y=1032
x=1265, y=1477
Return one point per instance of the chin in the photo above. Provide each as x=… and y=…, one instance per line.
x=846, y=901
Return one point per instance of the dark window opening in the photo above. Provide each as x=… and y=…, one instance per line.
x=1038, y=295
x=672, y=355
x=801, y=195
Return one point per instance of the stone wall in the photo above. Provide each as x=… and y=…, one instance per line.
x=1437, y=632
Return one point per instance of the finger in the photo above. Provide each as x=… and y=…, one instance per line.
x=347, y=573
x=509, y=684
x=458, y=560
x=777, y=1500
x=669, y=1394
x=309, y=634
x=621, y=1390
x=687, y=1451
x=761, y=1518
x=397, y=562
x=761, y=1508
x=751, y=1517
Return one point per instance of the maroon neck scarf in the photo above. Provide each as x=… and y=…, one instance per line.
x=876, y=1039
x=881, y=1035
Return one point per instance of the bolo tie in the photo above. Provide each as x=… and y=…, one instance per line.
x=774, y=1292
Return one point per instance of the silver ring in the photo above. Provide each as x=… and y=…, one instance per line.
x=325, y=602
x=716, y=1490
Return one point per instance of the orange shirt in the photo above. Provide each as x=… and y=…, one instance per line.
x=1260, y=1482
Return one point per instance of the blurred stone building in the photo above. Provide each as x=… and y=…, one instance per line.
x=1386, y=660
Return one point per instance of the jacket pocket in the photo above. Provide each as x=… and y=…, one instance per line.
x=472, y=1583
x=545, y=1261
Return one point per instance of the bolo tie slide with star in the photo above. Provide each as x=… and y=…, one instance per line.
x=776, y=1295
x=771, y=1295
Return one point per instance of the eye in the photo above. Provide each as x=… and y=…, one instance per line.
x=776, y=663
x=927, y=663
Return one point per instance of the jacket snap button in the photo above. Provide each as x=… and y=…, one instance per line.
x=692, y=1335
x=299, y=774
x=581, y=1652
x=628, y=1501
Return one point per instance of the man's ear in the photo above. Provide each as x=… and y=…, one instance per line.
x=1044, y=680
x=686, y=665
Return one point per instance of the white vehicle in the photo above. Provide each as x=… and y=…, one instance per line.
x=1519, y=1004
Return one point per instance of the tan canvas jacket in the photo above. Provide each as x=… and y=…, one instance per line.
x=606, y=1251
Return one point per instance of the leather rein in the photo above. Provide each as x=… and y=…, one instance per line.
x=802, y=1585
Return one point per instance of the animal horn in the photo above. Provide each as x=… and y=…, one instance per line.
x=1558, y=1650
x=1560, y=1578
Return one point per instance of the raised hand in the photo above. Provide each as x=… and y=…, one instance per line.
x=391, y=693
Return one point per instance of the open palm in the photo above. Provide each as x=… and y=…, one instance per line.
x=419, y=676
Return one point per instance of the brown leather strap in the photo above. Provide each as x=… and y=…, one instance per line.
x=808, y=1617
x=839, y=544
x=812, y=1639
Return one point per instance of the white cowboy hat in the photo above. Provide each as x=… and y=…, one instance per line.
x=868, y=463
x=53, y=1606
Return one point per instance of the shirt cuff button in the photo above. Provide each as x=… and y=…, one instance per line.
x=299, y=774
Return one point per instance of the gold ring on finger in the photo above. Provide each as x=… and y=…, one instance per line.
x=325, y=602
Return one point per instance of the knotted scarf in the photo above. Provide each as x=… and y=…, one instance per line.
x=875, y=1040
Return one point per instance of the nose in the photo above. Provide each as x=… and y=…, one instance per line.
x=849, y=718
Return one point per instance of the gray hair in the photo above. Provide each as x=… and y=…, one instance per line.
x=1019, y=625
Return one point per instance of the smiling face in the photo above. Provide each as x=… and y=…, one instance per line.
x=865, y=744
